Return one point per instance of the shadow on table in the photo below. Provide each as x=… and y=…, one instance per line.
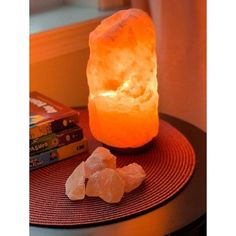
x=197, y=228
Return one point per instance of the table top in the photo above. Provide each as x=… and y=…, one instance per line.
x=185, y=207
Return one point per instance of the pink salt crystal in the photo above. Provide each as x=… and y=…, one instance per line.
x=75, y=184
x=93, y=185
x=106, y=184
x=133, y=175
x=100, y=159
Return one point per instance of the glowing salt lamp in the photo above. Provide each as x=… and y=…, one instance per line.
x=121, y=72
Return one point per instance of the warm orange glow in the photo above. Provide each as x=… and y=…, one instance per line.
x=122, y=80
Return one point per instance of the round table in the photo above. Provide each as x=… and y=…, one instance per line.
x=182, y=213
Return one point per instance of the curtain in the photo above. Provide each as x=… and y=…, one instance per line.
x=181, y=54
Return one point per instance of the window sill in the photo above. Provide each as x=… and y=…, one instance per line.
x=62, y=16
x=62, y=30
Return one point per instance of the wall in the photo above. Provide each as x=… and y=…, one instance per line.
x=62, y=78
x=58, y=60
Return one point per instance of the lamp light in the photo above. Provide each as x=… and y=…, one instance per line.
x=122, y=79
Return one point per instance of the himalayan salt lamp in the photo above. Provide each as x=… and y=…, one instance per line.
x=121, y=72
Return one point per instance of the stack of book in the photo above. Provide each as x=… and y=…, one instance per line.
x=55, y=133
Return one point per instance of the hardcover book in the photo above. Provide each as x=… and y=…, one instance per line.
x=48, y=116
x=45, y=143
x=58, y=154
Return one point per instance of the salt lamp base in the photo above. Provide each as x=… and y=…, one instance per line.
x=137, y=150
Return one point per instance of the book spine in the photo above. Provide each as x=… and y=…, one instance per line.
x=58, y=154
x=54, y=140
x=54, y=126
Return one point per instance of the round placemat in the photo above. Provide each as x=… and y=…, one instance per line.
x=168, y=163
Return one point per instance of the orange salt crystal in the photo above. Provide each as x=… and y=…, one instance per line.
x=122, y=81
x=75, y=184
x=106, y=184
x=133, y=175
x=100, y=159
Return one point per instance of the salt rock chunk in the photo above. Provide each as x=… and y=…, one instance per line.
x=75, y=184
x=133, y=175
x=100, y=159
x=106, y=184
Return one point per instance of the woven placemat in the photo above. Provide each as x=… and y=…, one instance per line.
x=169, y=164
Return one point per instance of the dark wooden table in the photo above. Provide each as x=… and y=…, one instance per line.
x=184, y=214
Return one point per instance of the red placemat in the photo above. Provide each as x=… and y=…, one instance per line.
x=169, y=164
